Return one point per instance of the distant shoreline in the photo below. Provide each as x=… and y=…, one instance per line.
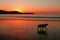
x=13, y=12
x=16, y=13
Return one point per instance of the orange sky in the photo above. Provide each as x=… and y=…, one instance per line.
x=36, y=6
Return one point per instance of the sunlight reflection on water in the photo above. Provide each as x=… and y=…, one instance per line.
x=27, y=30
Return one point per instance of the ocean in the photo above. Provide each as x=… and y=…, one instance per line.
x=31, y=16
x=25, y=27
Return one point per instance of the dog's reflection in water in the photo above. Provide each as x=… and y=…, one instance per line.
x=42, y=35
x=42, y=31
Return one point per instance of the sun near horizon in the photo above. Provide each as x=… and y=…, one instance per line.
x=19, y=10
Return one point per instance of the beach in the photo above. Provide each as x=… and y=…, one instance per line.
x=13, y=29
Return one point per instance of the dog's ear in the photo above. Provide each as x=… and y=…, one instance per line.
x=46, y=24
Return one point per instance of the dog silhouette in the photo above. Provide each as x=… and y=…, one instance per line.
x=41, y=27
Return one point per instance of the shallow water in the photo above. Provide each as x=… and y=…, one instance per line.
x=48, y=17
x=27, y=30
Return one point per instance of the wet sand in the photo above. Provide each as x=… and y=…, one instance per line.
x=27, y=30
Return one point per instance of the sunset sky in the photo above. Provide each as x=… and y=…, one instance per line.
x=36, y=6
